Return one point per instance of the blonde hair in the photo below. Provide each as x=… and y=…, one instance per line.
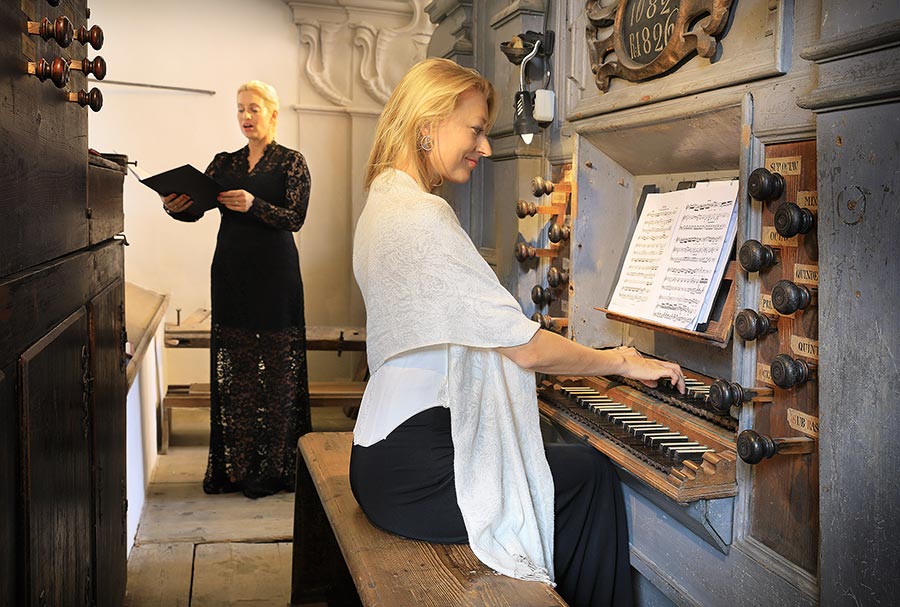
x=268, y=94
x=427, y=94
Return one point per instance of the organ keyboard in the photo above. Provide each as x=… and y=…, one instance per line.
x=684, y=455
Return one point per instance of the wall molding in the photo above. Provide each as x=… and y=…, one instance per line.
x=870, y=39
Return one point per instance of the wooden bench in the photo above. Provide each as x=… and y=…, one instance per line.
x=334, y=543
x=346, y=394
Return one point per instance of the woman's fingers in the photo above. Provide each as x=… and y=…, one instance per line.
x=177, y=202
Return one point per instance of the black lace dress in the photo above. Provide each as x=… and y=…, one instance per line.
x=259, y=403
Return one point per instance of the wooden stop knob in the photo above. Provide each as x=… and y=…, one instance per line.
x=93, y=36
x=94, y=99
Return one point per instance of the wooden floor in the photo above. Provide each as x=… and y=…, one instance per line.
x=198, y=550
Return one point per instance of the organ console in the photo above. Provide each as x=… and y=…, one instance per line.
x=557, y=233
x=755, y=256
x=787, y=372
x=791, y=220
x=788, y=297
x=97, y=66
x=57, y=71
x=752, y=325
x=93, y=36
x=753, y=447
x=764, y=185
x=94, y=99
x=60, y=30
x=557, y=278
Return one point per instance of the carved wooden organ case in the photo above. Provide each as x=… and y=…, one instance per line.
x=62, y=332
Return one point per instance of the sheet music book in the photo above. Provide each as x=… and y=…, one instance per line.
x=185, y=179
x=677, y=255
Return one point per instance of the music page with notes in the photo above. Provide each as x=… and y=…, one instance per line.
x=677, y=255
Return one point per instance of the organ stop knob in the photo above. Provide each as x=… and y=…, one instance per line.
x=557, y=233
x=755, y=256
x=788, y=297
x=525, y=209
x=541, y=296
x=753, y=447
x=97, y=66
x=787, y=372
x=93, y=36
x=60, y=30
x=556, y=277
x=541, y=186
x=548, y=322
x=751, y=325
x=524, y=252
x=94, y=99
x=764, y=185
x=57, y=71
x=791, y=220
x=723, y=395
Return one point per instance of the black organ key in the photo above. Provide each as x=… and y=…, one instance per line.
x=640, y=432
x=694, y=455
x=666, y=447
x=653, y=440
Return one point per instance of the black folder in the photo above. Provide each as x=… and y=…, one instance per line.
x=186, y=179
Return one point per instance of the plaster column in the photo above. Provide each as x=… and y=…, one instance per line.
x=353, y=53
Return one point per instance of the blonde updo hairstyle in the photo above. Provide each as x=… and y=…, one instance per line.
x=269, y=97
x=425, y=96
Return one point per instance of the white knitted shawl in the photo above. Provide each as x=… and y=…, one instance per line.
x=424, y=283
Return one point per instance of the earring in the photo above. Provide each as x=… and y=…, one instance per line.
x=425, y=143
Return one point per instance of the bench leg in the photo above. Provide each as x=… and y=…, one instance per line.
x=318, y=571
x=165, y=426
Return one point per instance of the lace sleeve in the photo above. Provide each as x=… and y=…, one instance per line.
x=293, y=214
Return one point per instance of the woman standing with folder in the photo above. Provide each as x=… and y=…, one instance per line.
x=259, y=401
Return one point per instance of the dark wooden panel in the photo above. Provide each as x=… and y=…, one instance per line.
x=57, y=466
x=35, y=300
x=858, y=233
x=105, y=202
x=106, y=313
x=43, y=146
x=10, y=537
x=785, y=504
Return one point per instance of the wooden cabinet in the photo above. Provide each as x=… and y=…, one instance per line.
x=62, y=362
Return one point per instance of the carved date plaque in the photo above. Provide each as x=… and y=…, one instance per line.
x=651, y=37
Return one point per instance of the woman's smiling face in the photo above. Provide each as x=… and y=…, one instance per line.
x=460, y=140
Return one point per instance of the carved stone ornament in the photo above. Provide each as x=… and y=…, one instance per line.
x=651, y=37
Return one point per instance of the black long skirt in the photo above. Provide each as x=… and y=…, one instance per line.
x=405, y=485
